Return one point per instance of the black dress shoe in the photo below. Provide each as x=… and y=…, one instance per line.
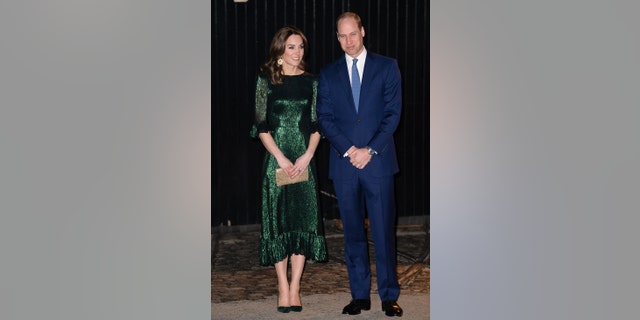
x=284, y=309
x=295, y=308
x=355, y=306
x=391, y=308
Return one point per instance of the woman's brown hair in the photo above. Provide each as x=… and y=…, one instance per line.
x=276, y=50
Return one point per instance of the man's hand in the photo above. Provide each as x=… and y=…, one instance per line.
x=360, y=158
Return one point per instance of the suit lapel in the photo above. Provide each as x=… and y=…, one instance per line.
x=343, y=78
x=367, y=78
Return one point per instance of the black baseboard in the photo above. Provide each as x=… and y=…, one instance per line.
x=410, y=220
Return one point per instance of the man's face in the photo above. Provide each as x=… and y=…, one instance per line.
x=350, y=37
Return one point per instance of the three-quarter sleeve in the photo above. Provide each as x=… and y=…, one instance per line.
x=314, y=116
x=260, y=124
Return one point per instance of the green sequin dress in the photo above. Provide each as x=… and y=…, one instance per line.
x=291, y=220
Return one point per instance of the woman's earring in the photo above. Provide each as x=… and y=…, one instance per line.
x=280, y=61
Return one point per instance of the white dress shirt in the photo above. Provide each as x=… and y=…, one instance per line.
x=360, y=64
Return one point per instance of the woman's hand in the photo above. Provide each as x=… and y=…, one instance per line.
x=301, y=164
x=287, y=166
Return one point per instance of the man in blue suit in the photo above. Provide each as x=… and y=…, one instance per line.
x=359, y=103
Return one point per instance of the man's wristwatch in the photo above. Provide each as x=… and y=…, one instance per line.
x=371, y=151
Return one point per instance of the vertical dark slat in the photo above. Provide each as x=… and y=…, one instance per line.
x=239, y=215
x=333, y=6
x=369, y=15
x=275, y=15
x=310, y=50
x=387, y=28
x=225, y=22
x=245, y=114
x=265, y=27
x=423, y=95
x=377, y=28
x=294, y=12
x=414, y=129
x=397, y=29
x=257, y=41
x=316, y=47
x=242, y=43
x=334, y=14
x=284, y=14
x=410, y=125
x=253, y=181
x=401, y=135
x=215, y=41
x=407, y=123
x=323, y=30
x=288, y=16
x=410, y=128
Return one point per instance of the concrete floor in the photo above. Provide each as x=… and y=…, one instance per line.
x=242, y=289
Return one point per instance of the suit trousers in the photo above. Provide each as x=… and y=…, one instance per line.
x=376, y=194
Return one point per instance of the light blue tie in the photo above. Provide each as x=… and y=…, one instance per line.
x=355, y=83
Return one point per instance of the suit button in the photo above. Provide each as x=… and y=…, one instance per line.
x=358, y=120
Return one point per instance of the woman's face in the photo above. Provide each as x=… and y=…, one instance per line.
x=293, y=50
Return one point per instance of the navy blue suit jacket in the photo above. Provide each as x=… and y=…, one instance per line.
x=374, y=124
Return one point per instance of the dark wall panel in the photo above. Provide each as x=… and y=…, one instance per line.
x=241, y=36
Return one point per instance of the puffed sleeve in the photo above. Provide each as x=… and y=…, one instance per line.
x=260, y=124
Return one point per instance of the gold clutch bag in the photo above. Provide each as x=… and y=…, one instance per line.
x=283, y=179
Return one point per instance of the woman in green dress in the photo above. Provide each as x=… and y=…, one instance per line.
x=286, y=123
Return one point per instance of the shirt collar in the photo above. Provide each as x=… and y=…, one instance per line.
x=361, y=57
